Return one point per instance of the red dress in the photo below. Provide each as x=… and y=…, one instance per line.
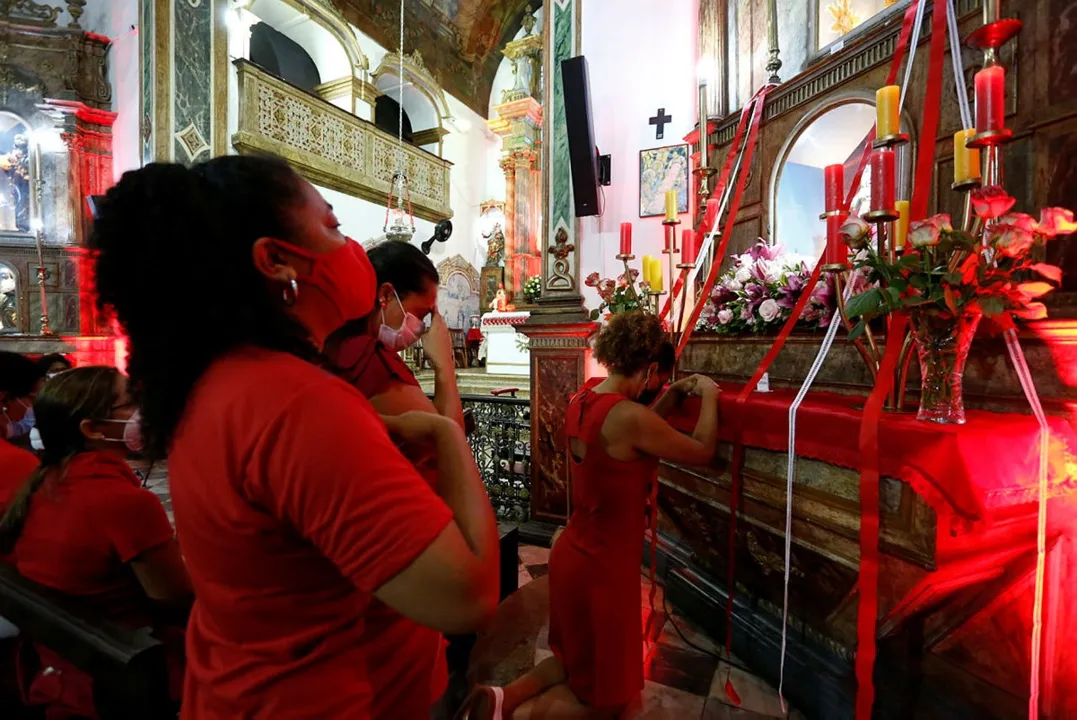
x=595, y=619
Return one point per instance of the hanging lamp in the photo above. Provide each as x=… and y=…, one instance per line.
x=399, y=221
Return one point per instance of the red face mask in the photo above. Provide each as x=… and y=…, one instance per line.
x=339, y=287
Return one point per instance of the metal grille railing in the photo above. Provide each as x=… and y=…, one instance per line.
x=501, y=442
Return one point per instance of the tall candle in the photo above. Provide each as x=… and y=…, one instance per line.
x=646, y=269
x=990, y=99
x=836, y=251
x=626, y=238
x=966, y=159
x=656, y=274
x=835, y=186
x=689, y=247
x=712, y=214
x=882, y=180
x=887, y=102
x=901, y=225
x=671, y=205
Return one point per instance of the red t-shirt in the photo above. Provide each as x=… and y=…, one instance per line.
x=16, y=465
x=372, y=368
x=84, y=527
x=292, y=506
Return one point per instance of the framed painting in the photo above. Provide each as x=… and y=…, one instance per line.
x=492, y=277
x=662, y=169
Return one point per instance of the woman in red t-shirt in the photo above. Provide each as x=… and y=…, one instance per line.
x=366, y=353
x=82, y=524
x=294, y=507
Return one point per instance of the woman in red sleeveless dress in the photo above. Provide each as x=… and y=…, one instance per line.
x=614, y=444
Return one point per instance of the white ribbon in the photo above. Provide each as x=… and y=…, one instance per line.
x=1017, y=356
x=824, y=350
x=959, y=69
x=790, y=474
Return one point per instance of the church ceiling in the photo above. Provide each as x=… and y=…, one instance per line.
x=460, y=40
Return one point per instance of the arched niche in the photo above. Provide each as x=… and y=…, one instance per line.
x=422, y=98
x=320, y=29
x=830, y=133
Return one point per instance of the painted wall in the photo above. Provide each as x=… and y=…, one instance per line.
x=641, y=56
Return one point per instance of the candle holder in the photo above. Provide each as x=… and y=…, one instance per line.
x=670, y=249
x=890, y=141
x=994, y=34
x=966, y=187
x=704, y=175
x=990, y=138
x=878, y=217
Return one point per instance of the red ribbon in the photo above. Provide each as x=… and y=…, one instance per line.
x=868, y=581
x=719, y=189
x=731, y=217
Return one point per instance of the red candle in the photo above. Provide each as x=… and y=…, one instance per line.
x=991, y=99
x=836, y=251
x=711, y=215
x=626, y=238
x=882, y=180
x=835, y=186
x=689, y=247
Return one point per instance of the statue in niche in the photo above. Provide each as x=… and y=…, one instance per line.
x=495, y=248
x=15, y=185
x=9, y=316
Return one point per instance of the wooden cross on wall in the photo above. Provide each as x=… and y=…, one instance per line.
x=659, y=121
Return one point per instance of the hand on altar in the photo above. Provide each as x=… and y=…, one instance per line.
x=437, y=344
x=694, y=385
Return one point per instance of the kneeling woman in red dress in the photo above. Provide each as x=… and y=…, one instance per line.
x=614, y=444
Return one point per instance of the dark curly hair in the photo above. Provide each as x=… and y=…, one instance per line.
x=18, y=374
x=403, y=266
x=631, y=341
x=174, y=263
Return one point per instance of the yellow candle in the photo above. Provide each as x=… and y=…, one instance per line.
x=887, y=100
x=656, y=272
x=901, y=227
x=966, y=159
x=671, y=205
x=647, y=269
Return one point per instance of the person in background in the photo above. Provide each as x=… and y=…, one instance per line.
x=294, y=507
x=81, y=524
x=614, y=444
x=53, y=364
x=365, y=353
x=20, y=379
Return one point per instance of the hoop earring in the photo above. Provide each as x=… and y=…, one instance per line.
x=290, y=292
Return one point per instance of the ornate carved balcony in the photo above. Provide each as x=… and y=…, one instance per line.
x=331, y=147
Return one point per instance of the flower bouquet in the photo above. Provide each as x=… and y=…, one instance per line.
x=618, y=295
x=759, y=291
x=532, y=288
x=948, y=279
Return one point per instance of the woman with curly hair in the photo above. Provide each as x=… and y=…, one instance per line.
x=614, y=444
x=293, y=506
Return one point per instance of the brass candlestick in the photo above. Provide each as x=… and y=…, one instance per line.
x=670, y=248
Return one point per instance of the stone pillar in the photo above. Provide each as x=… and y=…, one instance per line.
x=184, y=79
x=519, y=124
x=559, y=328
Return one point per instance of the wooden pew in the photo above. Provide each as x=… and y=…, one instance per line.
x=127, y=665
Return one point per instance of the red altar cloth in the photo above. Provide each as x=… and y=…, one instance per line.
x=989, y=462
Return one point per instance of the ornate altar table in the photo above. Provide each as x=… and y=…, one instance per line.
x=957, y=547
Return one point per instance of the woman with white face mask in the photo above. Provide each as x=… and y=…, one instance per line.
x=365, y=353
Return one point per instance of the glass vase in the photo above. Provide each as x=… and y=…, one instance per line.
x=942, y=346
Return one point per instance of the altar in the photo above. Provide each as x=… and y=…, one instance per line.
x=506, y=352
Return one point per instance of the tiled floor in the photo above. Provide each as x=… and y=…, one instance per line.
x=684, y=678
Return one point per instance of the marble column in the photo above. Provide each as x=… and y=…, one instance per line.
x=184, y=78
x=559, y=330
